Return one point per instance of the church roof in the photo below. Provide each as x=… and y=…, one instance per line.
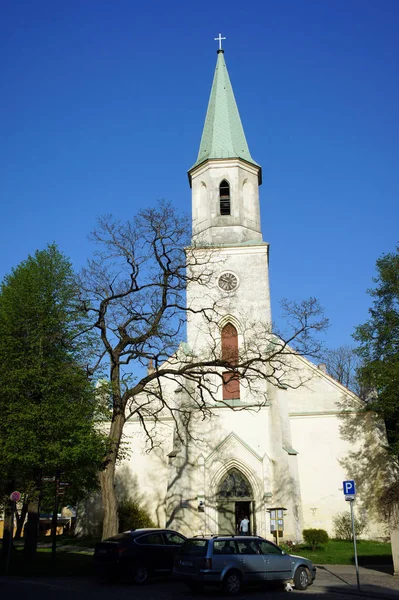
x=223, y=135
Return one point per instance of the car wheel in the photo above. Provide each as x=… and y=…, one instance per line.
x=232, y=583
x=301, y=578
x=139, y=573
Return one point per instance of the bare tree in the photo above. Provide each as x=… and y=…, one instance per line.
x=343, y=363
x=134, y=290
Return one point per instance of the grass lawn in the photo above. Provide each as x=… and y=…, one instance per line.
x=84, y=542
x=337, y=552
x=74, y=557
x=67, y=564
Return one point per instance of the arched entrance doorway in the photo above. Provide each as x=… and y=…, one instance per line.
x=234, y=502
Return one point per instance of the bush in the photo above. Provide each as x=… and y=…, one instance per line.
x=133, y=516
x=315, y=537
x=342, y=524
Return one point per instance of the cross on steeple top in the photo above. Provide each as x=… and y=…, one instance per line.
x=219, y=39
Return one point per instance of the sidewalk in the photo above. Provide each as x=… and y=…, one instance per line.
x=342, y=579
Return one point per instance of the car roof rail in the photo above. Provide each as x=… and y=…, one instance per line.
x=232, y=535
x=222, y=535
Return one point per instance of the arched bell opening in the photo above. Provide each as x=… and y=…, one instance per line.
x=224, y=198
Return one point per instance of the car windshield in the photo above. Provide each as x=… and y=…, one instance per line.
x=194, y=547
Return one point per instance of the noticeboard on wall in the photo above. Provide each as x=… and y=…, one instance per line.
x=276, y=520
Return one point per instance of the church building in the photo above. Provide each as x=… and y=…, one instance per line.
x=283, y=464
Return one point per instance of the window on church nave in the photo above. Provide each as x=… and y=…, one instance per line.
x=224, y=194
x=235, y=485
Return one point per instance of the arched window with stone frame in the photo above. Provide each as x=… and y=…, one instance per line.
x=231, y=382
x=234, y=485
x=224, y=198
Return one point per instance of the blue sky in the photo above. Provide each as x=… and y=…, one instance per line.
x=103, y=105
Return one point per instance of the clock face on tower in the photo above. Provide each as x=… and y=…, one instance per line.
x=228, y=282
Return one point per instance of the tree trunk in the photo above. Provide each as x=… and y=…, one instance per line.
x=107, y=480
x=21, y=520
x=394, y=532
x=32, y=525
x=7, y=533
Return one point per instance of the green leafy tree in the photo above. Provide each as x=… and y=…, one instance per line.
x=379, y=347
x=47, y=403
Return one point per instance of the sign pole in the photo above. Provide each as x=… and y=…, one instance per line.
x=349, y=488
x=11, y=540
x=354, y=544
x=14, y=497
x=54, y=519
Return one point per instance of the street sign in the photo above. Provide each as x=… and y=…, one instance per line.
x=349, y=488
x=15, y=497
x=48, y=479
x=63, y=484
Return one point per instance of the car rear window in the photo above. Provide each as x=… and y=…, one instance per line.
x=194, y=547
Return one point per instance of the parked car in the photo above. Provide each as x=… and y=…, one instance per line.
x=232, y=561
x=138, y=554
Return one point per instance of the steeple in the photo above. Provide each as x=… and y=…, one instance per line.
x=223, y=135
x=225, y=178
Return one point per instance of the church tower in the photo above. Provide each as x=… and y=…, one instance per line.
x=235, y=461
x=225, y=182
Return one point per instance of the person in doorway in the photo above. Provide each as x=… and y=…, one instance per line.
x=244, y=526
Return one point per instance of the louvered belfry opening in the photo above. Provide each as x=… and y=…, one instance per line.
x=231, y=382
x=224, y=195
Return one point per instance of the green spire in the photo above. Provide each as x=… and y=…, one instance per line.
x=223, y=135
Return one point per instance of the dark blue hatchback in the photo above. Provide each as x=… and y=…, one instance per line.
x=138, y=554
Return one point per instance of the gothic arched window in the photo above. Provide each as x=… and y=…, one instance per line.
x=224, y=196
x=230, y=343
x=234, y=485
x=231, y=382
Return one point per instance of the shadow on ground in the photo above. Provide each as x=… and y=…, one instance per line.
x=377, y=563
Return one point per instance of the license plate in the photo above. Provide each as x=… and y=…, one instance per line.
x=102, y=551
x=186, y=563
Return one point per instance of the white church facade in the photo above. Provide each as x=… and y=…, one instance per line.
x=281, y=464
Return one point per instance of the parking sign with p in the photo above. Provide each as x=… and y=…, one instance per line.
x=349, y=488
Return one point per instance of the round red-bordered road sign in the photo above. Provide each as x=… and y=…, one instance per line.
x=15, y=496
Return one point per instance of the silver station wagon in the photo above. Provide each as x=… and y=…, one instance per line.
x=233, y=561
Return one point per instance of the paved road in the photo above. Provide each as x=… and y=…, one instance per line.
x=329, y=587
